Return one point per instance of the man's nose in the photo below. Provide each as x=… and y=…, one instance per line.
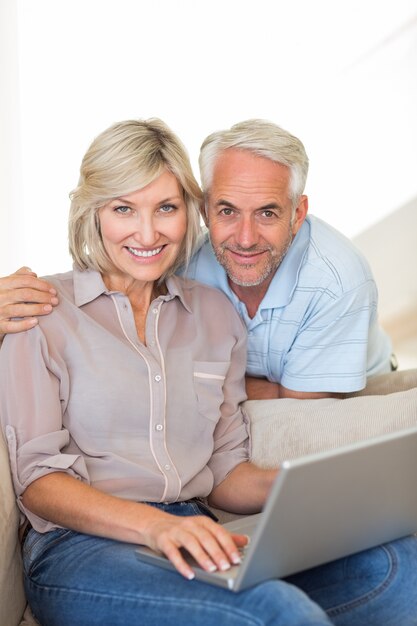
x=246, y=234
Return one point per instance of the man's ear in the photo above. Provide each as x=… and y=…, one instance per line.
x=300, y=214
x=203, y=212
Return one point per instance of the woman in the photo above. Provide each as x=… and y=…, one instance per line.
x=122, y=410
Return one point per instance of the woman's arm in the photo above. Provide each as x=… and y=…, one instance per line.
x=70, y=503
x=244, y=490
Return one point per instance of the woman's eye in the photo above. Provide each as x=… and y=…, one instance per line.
x=122, y=209
x=167, y=208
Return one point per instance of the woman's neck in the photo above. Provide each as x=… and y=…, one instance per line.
x=140, y=296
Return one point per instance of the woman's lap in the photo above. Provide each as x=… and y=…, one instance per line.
x=79, y=579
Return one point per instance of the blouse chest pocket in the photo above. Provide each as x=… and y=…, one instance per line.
x=209, y=379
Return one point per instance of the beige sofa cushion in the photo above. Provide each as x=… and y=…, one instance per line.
x=285, y=429
x=12, y=598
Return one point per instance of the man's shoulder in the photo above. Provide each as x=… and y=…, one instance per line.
x=203, y=252
x=204, y=266
x=333, y=257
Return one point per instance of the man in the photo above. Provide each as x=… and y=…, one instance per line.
x=307, y=296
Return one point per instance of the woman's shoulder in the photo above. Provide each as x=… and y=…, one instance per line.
x=63, y=282
x=200, y=291
x=208, y=302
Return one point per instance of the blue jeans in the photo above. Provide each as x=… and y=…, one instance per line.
x=73, y=579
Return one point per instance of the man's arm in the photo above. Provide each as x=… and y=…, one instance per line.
x=263, y=389
x=24, y=295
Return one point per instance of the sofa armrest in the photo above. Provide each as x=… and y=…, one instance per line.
x=12, y=597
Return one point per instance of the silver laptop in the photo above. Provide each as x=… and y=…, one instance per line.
x=322, y=507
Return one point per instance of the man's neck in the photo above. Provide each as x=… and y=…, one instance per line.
x=251, y=296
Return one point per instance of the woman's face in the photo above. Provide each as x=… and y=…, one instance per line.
x=142, y=232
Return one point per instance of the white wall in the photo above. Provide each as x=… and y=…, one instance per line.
x=10, y=168
x=341, y=76
x=391, y=248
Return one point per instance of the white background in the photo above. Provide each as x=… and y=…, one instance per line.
x=340, y=75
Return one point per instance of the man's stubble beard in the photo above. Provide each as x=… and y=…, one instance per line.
x=274, y=261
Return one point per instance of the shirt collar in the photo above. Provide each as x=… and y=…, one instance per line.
x=179, y=288
x=89, y=285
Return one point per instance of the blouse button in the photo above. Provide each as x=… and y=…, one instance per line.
x=158, y=378
x=159, y=427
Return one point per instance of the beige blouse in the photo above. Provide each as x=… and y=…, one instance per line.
x=82, y=395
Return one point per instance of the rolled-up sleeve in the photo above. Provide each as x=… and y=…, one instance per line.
x=33, y=393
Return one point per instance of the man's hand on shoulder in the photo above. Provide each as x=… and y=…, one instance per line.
x=263, y=389
x=24, y=295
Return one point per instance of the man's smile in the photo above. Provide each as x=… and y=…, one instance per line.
x=246, y=257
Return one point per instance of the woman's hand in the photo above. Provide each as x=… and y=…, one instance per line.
x=71, y=503
x=24, y=295
x=213, y=547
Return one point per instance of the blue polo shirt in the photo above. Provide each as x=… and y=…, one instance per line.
x=316, y=329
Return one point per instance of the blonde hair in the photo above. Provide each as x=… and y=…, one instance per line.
x=262, y=138
x=125, y=158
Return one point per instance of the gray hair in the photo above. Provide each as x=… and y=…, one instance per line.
x=262, y=138
x=125, y=158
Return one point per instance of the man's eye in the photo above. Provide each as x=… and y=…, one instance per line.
x=122, y=209
x=268, y=214
x=226, y=211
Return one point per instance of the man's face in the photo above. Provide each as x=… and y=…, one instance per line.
x=250, y=216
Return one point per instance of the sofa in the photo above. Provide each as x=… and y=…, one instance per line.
x=280, y=429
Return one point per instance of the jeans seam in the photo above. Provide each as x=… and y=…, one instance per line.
x=203, y=604
x=27, y=552
x=343, y=608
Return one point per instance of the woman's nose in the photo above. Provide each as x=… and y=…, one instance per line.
x=146, y=232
